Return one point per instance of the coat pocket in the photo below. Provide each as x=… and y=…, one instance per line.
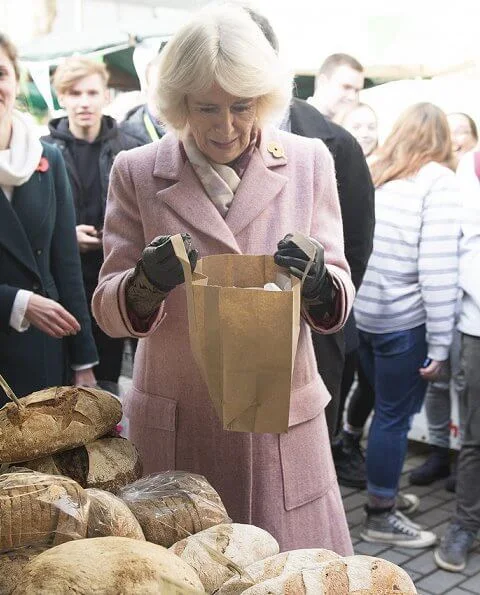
x=308, y=472
x=152, y=428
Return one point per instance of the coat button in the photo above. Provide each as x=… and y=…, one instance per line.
x=38, y=252
x=36, y=286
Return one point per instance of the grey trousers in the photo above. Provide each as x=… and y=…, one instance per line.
x=468, y=467
x=438, y=397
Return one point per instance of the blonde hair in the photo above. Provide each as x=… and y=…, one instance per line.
x=342, y=116
x=69, y=72
x=221, y=44
x=420, y=135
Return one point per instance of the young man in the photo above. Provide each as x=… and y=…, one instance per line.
x=462, y=531
x=89, y=142
x=337, y=84
x=143, y=121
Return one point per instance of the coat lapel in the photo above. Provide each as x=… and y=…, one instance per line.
x=12, y=235
x=187, y=197
x=260, y=185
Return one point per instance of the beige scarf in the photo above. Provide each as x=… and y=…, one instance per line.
x=21, y=160
x=219, y=181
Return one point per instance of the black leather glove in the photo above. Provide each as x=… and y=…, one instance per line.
x=160, y=264
x=157, y=273
x=318, y=287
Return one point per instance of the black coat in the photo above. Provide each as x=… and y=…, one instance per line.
x=38, y=252
x=355, y=191
x=355, y=188
x=357, y=203
x=112, y=143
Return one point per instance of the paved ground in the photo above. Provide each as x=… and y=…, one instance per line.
x=436, y=508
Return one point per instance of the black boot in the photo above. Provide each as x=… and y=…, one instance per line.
x=437, y=466
x=349, y=461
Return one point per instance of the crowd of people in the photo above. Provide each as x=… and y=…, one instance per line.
x=224, y=155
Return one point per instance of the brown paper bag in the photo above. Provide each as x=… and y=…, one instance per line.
x=243, y=337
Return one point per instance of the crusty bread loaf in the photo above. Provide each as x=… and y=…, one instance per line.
x=55, y=419
x=12, y=565
x=173, y=505
x=353, y=575
x=106, y=463
x=40, y=509
x=108, y=566
x=218, y=553
x=275, y=566
x=108, y=515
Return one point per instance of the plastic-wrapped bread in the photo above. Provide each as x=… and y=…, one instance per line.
x=40, y=509
x=108, y=565
x=173, y=505
x=220, y=552
x=275, y=566
x=12, y=565
x=107, y=464
x=55, y=419
x=110, y=516
x=352, y=575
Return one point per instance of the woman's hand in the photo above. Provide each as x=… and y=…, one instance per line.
x=50, y=317
x=432, y=371
x=84, y=378
x=88, y=238
x=316, y=287
x=160, y=264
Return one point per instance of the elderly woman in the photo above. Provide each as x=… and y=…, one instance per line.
x=235, y=185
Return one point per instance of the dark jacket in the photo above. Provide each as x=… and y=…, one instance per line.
x=355, y=191
x=112, y=141
x=355, y=188
x=38, y=252
x=134, y=125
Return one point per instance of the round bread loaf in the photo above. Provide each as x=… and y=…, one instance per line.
x=352, y=575
x=55, y=419
x=275, y=566
x=108, y=565
x=173, y=505
x=108, y=515
x=107, y=463
x=12, y=565
x=218, y=553
x=40, y=509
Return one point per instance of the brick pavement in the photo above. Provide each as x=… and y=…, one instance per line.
x=436, y=508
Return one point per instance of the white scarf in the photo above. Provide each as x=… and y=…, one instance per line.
x=24, y=154
x=219, y=181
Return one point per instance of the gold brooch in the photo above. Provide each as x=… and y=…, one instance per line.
x=275, y=149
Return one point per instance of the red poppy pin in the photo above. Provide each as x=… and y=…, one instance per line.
x=43, y=165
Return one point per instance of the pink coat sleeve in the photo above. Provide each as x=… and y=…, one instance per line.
x=123, y=243
x=327, y=228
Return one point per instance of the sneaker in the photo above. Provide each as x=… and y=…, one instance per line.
x=437, y=466
x=407, y=503
x=349, y=461
x=394, y=528
x=454, y=547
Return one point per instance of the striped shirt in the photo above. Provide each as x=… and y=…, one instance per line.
x=412, y=274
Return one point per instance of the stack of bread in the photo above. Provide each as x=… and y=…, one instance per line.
x=75, y=517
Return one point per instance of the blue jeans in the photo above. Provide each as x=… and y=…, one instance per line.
x=391, y=362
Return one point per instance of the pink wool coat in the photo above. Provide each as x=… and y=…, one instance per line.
x=285, y=483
